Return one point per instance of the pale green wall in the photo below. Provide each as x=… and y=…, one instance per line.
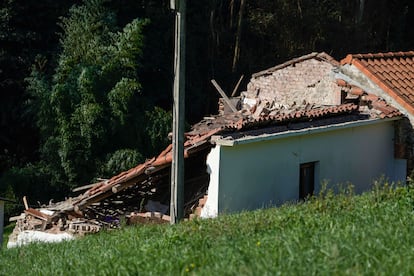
x=260, y=174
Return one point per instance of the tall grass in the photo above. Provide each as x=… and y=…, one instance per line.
x=6, y=232
x=328, y=234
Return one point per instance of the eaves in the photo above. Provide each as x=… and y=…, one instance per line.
x=229, y=141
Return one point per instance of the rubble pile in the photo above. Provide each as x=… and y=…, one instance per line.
x=137, y=204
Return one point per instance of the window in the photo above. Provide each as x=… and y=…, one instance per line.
x=306, y=179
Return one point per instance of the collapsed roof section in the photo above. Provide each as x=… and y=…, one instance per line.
x=261, y=114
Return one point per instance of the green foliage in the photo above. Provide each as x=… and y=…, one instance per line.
x=34, y=181
x=93, y=96
x=84, y=100
x=10, y=209
x=121, y=160
x=364, y=238
x=158, y=127
x=120, y=96
x=26, y=28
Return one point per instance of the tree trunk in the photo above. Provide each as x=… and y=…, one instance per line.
x=236, y=55
x=359, y=10
x=231, y=13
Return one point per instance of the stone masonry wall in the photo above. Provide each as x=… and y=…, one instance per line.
x=311, y=80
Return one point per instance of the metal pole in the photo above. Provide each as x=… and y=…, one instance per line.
x=177, y=166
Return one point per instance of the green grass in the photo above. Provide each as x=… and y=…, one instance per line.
x=6, y=232
x=368, y=234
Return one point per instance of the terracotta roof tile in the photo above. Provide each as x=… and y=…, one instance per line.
x=357, y=91
x=393, y=72
x=399, y=75
x=406, y=80
x=383, y=109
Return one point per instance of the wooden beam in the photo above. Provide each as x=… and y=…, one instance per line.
x=226, y=99
x=237, y=86
x=85, y=187
x=16, y=218
x=37, y=214
x=26, y=206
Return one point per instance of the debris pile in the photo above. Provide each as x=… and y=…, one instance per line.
x=137, y=204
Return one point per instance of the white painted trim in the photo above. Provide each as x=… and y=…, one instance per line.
x=227, y=141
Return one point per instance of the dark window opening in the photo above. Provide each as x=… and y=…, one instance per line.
x=307, y=180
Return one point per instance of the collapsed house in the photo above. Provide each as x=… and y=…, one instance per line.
x=298, y=124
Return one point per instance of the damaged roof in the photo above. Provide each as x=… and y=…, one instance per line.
x=377, y=105
x=254, y=115
x=262, y=114
x=392, y=72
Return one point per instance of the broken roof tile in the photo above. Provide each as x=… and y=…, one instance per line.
x=385, y=110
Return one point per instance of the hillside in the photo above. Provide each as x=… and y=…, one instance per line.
x=343, y=234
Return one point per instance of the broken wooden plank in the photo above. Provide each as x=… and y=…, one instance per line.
x=16, y=218
x=230, y=104
x=37, y=214
x=26, y=206
x=85, y=187
x=154, y=169
x=117, y=188
x=122, y=186
x=237, y=86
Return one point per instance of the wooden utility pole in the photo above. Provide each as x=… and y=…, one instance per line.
x=177, y=166
x=2, y=201
x=1, y=221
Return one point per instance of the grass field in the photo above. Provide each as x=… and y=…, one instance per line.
x=368, y=234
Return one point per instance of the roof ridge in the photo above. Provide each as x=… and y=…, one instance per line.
x=350, y=57
x=318, y=55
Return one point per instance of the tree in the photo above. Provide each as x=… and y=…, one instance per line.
x=91, y=109
x=26, y=29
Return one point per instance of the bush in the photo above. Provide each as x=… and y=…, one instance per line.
x=121, y=160
x=34, y=181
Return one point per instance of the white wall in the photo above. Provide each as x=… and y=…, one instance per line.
x=265, y=173
x=213, y=168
